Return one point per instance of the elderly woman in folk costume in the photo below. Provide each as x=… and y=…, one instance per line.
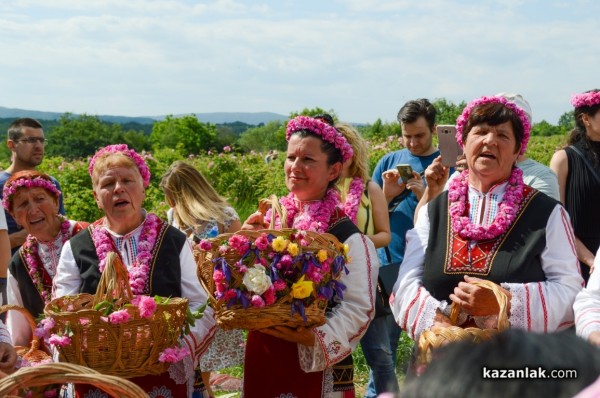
x=489, y=225
x=316, y=362
x=32, y=200
x=158, y=256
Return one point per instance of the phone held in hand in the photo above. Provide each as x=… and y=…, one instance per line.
x=406, y=172
x=449, y=148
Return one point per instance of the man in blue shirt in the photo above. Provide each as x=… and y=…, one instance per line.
x=27, y=142
x=417, y=120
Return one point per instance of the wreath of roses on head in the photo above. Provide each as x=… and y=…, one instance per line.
x=132, y=154
x=327, y=132
x=462, y=120
x=589, y=98
x=38, y=182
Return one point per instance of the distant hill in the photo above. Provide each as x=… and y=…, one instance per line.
x=214, y=118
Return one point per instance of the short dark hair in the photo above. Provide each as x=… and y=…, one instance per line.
x=15, y=130
x=414, y=109
x=495, y=113
x=457, y=369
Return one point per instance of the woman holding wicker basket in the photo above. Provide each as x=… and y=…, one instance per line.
x=489, y=225
x=158, y=257
x=314, y=362
x=32, y=199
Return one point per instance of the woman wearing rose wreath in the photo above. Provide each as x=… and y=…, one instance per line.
x=158, y=257
x=308, y=363
x=578, y=169
x=489, y=225
x=32, y=200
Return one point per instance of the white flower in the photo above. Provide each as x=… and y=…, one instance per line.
x=256, y=280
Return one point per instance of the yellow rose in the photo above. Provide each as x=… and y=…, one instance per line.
x=346, y=249
x=302, y=289
x=279, y=244
x=322, y=255
x=292, y=248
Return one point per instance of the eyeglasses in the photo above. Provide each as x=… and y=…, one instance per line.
x=33, y=140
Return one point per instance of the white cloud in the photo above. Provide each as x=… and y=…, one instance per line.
x=361, y=58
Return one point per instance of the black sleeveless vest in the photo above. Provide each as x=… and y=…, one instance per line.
x=32, y=299
x=165, y=269
x=514, y=256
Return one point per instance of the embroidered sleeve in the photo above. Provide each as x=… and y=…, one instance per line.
x=413, y=306
x=347, y=321
x=548, y=306
x=587, y=304
x=202, y=332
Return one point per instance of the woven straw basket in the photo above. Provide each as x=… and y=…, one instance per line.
x=128, y=349
x=61, y=373
x=433, y=339
x=34, y=353
x=279, y=313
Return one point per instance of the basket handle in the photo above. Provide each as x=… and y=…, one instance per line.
x=501, y=297
x=272, y=202
x=114, y=282
x=35, y=340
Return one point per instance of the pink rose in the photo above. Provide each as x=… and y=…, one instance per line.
x=147, y=307
x=60, y=341
x=117, y=317
x=257, y=301
x=205, y=245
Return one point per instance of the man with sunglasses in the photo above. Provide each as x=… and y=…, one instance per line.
x=27, y=142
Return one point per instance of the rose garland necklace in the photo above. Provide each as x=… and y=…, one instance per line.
x=314, y=216
x=458, y=193
x=35, y=267
x=140, y=269
x=352, y=203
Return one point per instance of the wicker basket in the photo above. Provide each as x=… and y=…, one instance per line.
x=437, y=337
x=128, y=349
x=35, y=353
x=62, y=373
x=278, y=313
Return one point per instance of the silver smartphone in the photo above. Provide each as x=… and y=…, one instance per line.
x=449, y=148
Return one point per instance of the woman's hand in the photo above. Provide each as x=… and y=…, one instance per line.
x=436, y=175
x=594, y=338
x=440, y=321
x=8, y=357
x=255, y=221
x=416, y=185
x=300, y=335
x=392, y=184
x=475, y=300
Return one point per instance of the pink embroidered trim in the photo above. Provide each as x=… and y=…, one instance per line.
x=140, y=269
x=353, y=198
x=458, y=194
x=37, y=182
x=34, y=262
x=328, y=133
x=590, y=98
x=462, y=120
x=124, y=149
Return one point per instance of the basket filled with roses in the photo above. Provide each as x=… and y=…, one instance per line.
x=115, y=332
x=266, y=278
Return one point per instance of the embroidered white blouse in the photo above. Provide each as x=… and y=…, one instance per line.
x=587, y=304
x=348, y=321
x=539, y=306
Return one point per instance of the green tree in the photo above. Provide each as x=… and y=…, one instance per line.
x=447, y=111
x=566, y=122
x=78, y=136
x=263, y=138
x=544, y=129
x=185, y=134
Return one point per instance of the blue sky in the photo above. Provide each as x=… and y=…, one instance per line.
x=361, y=58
